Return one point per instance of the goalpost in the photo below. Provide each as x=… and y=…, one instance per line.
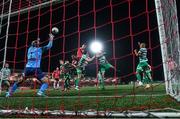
x=166, y=12
x=6, y=40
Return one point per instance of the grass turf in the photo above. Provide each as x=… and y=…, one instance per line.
x=94, y=91
x=129, y=98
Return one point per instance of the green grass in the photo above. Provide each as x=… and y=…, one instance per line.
x=94, y=91
x=130, y=98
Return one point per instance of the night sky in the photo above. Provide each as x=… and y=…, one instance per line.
x=118, y=44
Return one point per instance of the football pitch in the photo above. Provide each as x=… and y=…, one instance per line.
x=115, y=98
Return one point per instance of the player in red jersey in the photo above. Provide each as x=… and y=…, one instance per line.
x=56, y=77
x=81, y=50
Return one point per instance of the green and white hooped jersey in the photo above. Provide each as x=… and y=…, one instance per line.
x=5, y=73
x=61, y=66
x=143, y=55
x=82, y=62
x=102, y=60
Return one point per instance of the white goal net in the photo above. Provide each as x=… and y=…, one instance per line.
x=170, y=45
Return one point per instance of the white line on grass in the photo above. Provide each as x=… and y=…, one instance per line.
x=71, y=97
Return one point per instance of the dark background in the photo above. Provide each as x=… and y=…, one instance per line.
x=119, y=28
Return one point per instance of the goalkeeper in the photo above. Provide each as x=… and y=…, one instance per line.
x=143, y=66
x=33, y=67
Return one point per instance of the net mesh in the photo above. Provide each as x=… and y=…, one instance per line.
x=120, y=25
x=171, y=41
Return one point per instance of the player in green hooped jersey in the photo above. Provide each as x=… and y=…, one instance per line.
x=5, y=74
x=103, y=66
x=67, y=75
x=83, y=62
x=143, y=66
x=65, y=69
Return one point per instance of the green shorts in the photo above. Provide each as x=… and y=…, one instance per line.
x=79, y=70
x=5, y=81
x=67, y=75
x=104, y=67
x=61, y=75
x=142, y=66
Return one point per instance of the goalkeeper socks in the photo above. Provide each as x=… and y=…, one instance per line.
x=44, y=86
x=14, y=87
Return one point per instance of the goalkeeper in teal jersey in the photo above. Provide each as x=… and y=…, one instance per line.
x=143, y=66
x=34, y=56
x=103, y=66
x=83, y=62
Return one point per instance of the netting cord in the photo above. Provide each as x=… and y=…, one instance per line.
x=113, y=40
x=27, y=30
x=1, y=17
x=7, y=30
x=94, y=27
x=63, y=52
x=95, y=36
x=64, y=28
x=17, y=36
x=132, y=48
x=50, y=26
x=149, y=40
x=78, y=13
x=131, y=32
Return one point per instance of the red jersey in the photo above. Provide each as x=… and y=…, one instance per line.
x=79, y=53
x=56, y=74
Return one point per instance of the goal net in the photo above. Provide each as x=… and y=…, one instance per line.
x=170, y=44
x=119, y=25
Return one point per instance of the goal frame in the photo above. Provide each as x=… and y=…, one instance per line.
x=166, y=12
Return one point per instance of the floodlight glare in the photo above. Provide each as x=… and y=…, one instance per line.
x=96, y=46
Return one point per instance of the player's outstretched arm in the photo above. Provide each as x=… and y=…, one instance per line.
x=49, y=45
x=139, y=44
x=90, y=59
x=73, y=65
x=136, y=52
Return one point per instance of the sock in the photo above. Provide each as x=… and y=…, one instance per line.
x=101, y=80
x=14, y=87
x=138, y=76
x=44, y=86
x=68, y=82
x=58, y=84
x=149, y=76
x=65, y=84
x=77, y=82
x=54, y=85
